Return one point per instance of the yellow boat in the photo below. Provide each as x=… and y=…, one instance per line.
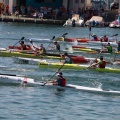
x=76, y=67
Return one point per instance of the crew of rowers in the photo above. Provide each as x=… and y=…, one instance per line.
x=67, y=59
x=101, y=63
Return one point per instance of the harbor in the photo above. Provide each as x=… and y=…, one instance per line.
x=53, y=70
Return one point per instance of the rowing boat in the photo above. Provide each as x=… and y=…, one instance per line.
x=30, y=61
x=28, y=55
x=24, y=81
x=75, y=59
x=76, y=67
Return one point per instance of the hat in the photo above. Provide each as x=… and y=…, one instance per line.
x=59, y=74
x=101, y=57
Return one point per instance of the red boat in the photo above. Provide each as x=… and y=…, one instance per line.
x=19, y=47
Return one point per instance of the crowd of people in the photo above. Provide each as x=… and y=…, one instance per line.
x=51, y=13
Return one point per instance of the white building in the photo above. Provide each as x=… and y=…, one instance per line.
x=69, y=4
x=76, y=4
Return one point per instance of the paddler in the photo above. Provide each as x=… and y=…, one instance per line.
x=67, y=58
x=56, y=46
x=109, y=48
x=105, y=39
x=95, y=37
x=118, y=47
x=60, y=80
x=23, y=46
x=99, y=64
x=40, y=51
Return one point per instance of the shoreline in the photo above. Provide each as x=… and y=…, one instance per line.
x=31, y=20
x=20, y=19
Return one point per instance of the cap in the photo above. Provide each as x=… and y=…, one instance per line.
x=101, y=57
x=41, y=45
x=59, y=74
x=65, y=54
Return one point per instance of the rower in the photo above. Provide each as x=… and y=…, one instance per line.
x=57, y=46
x=40, y=51
x=99, y=64
x=24, y=47
x=67, y=58
x=95, y=37
x=60, y=80
x=118, y=47
x=105, y=39
x=109, y=48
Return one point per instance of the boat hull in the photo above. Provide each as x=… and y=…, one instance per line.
x=76, y=67
x=23, y=81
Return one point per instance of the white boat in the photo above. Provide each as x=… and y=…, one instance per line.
x=114, y=43
x=95, y=21
x=116, y=23
x=30, y=61
x=19, y=80
x=75, y=21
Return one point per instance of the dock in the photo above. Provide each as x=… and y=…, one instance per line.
x=21, y=19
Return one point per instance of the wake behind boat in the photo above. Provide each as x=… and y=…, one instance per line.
x=24, y=81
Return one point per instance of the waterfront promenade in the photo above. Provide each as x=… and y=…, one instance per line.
x=22, y=19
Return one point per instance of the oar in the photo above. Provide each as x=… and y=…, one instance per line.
x=51, y=42
x=9, y=74
x=89, y=31
x=114, y=35
x=54, y=74
x=19, y=41
x=64, y=34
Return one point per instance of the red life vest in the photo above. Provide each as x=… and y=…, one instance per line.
x=63, y=82
x=103, y=64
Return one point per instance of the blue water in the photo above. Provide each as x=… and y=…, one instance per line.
x=47, y=103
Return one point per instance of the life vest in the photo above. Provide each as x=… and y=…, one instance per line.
x=105, y=39
x=96, y=38
x=109, y=49
x=62, y=81
x=103, y=64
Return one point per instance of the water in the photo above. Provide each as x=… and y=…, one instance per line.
x=33, y=103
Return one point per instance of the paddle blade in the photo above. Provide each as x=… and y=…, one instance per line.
x=22, y=38
x=90, y=28
x=53, y=38
x=64, y=34
x=114, y=35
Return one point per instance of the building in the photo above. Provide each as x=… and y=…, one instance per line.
x=68, y=4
